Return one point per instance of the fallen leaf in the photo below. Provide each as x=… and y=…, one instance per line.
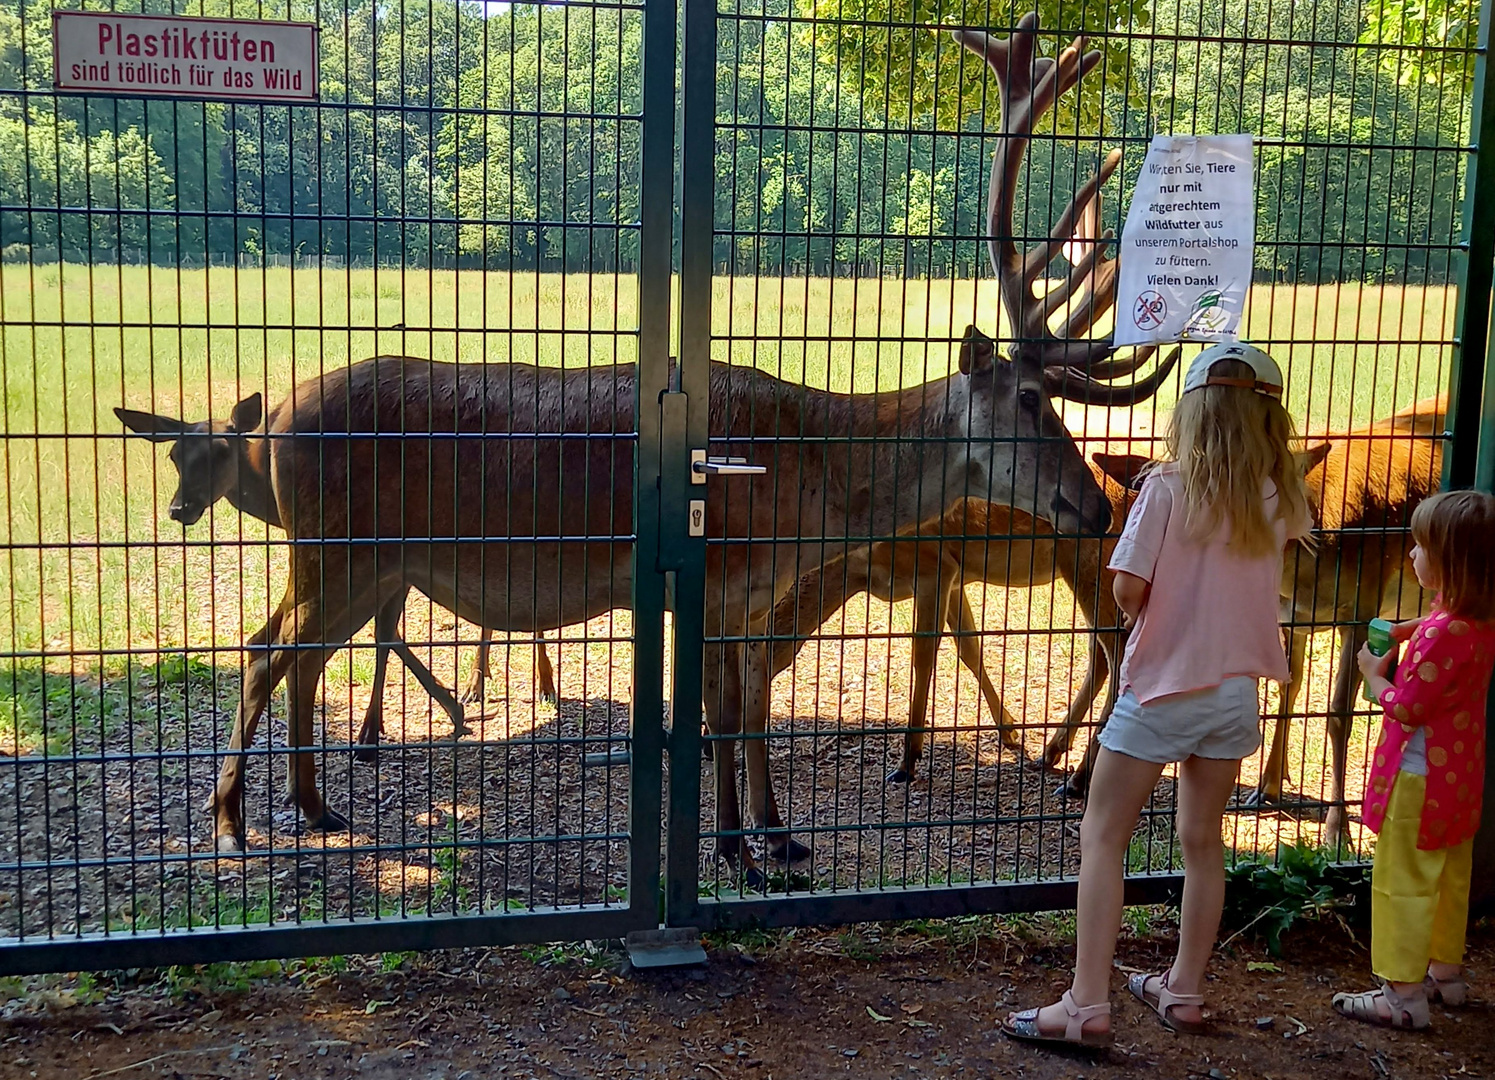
x=911, y=1009
x=918, y=1023
x=374, y=1006
x=879, y=1017
x=1262, y=965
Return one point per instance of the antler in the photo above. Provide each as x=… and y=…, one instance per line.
x=1075, y=365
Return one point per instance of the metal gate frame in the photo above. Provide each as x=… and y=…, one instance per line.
x=1470, y=460
x=156, y=948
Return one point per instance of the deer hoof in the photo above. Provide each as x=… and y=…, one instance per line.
x=903, y=775
x=1053, y=758
x=366, y=755
x=1073, y=788
x=330, y=821
x=787, y=850
x=473, y=695
x=754, y=880
x=1261, y=798
x=228, y=844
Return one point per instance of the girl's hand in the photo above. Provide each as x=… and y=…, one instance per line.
x=1402, y=632
x=1373, y=666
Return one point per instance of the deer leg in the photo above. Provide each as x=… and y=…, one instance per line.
x=961, y=619
x=722, y=689
x=546, y=674
x=1274, y=772
x=1063, y=738
x=301, y=764
x=930, y=601
x=1338, y=725
x=386, y=629
x=439, y=693
x=1110, y=648
x=474, y=694
x=264, y=670
x=763, y=807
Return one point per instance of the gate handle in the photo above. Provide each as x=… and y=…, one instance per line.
x=703, y=466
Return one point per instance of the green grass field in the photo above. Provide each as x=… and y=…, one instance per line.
x=77, y=342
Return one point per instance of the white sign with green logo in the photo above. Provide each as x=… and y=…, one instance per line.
x=1188, y=242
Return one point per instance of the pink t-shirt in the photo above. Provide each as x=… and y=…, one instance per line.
x=1212, y=613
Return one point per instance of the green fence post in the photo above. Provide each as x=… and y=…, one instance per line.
x=1471, y=457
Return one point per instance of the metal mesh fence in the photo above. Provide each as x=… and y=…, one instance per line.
x=496, y=185
x=466, y=190
x=853, y=146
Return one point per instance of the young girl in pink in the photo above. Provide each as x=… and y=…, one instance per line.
x=1198, y=570
x=1423, y=799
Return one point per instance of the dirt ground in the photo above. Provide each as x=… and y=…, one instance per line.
x=915, y=1000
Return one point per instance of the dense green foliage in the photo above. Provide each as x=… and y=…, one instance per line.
x=850, y=133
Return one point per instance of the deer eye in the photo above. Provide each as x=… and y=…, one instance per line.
x=1028, y=399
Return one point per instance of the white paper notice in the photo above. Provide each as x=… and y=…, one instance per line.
x=1188, y=243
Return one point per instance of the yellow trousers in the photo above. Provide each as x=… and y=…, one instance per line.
x=1419, y=899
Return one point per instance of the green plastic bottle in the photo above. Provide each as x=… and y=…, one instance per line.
x=1378, y=636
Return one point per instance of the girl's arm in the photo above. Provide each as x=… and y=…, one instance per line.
x=1131, y=596
x=1405, y=629
x=1428, y=672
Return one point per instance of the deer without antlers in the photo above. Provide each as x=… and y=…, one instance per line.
x=227, y=459
x=1362, y=489
x=986, y=544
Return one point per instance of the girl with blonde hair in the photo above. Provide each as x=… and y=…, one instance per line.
x=1198, y=571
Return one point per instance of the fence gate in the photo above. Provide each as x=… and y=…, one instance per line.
x=835, y=228
x=474, y=184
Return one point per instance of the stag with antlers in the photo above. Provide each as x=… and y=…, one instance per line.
x=979, y=541
x=520, y=527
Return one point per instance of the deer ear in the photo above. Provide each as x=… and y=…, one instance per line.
x=977, y=352
x=153, y=427
x=1313, y=456
x=247, y=413
x=1126, y=469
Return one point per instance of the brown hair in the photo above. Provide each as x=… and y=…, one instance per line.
x=1457, y=530
x=1228, y=441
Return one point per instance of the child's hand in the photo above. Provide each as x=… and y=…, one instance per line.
x=1372, y=666
x=1402, y=632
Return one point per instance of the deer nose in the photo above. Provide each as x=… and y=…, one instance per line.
x=1092, y=520
x=186, y=513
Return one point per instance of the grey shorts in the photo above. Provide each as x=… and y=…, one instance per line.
x=1218, y=722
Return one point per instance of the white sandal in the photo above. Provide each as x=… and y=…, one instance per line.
x=1451, y=992
x=1409, y=1012
x=1024, y=1025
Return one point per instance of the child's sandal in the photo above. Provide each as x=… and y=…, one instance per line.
x=1024, y=1025
x=1450, y=992
x=1163, y=1001
x=1406, y=1012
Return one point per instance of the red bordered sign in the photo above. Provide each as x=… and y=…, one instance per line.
x=101, y=52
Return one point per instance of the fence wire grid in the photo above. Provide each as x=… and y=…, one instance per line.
x=492, y=185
